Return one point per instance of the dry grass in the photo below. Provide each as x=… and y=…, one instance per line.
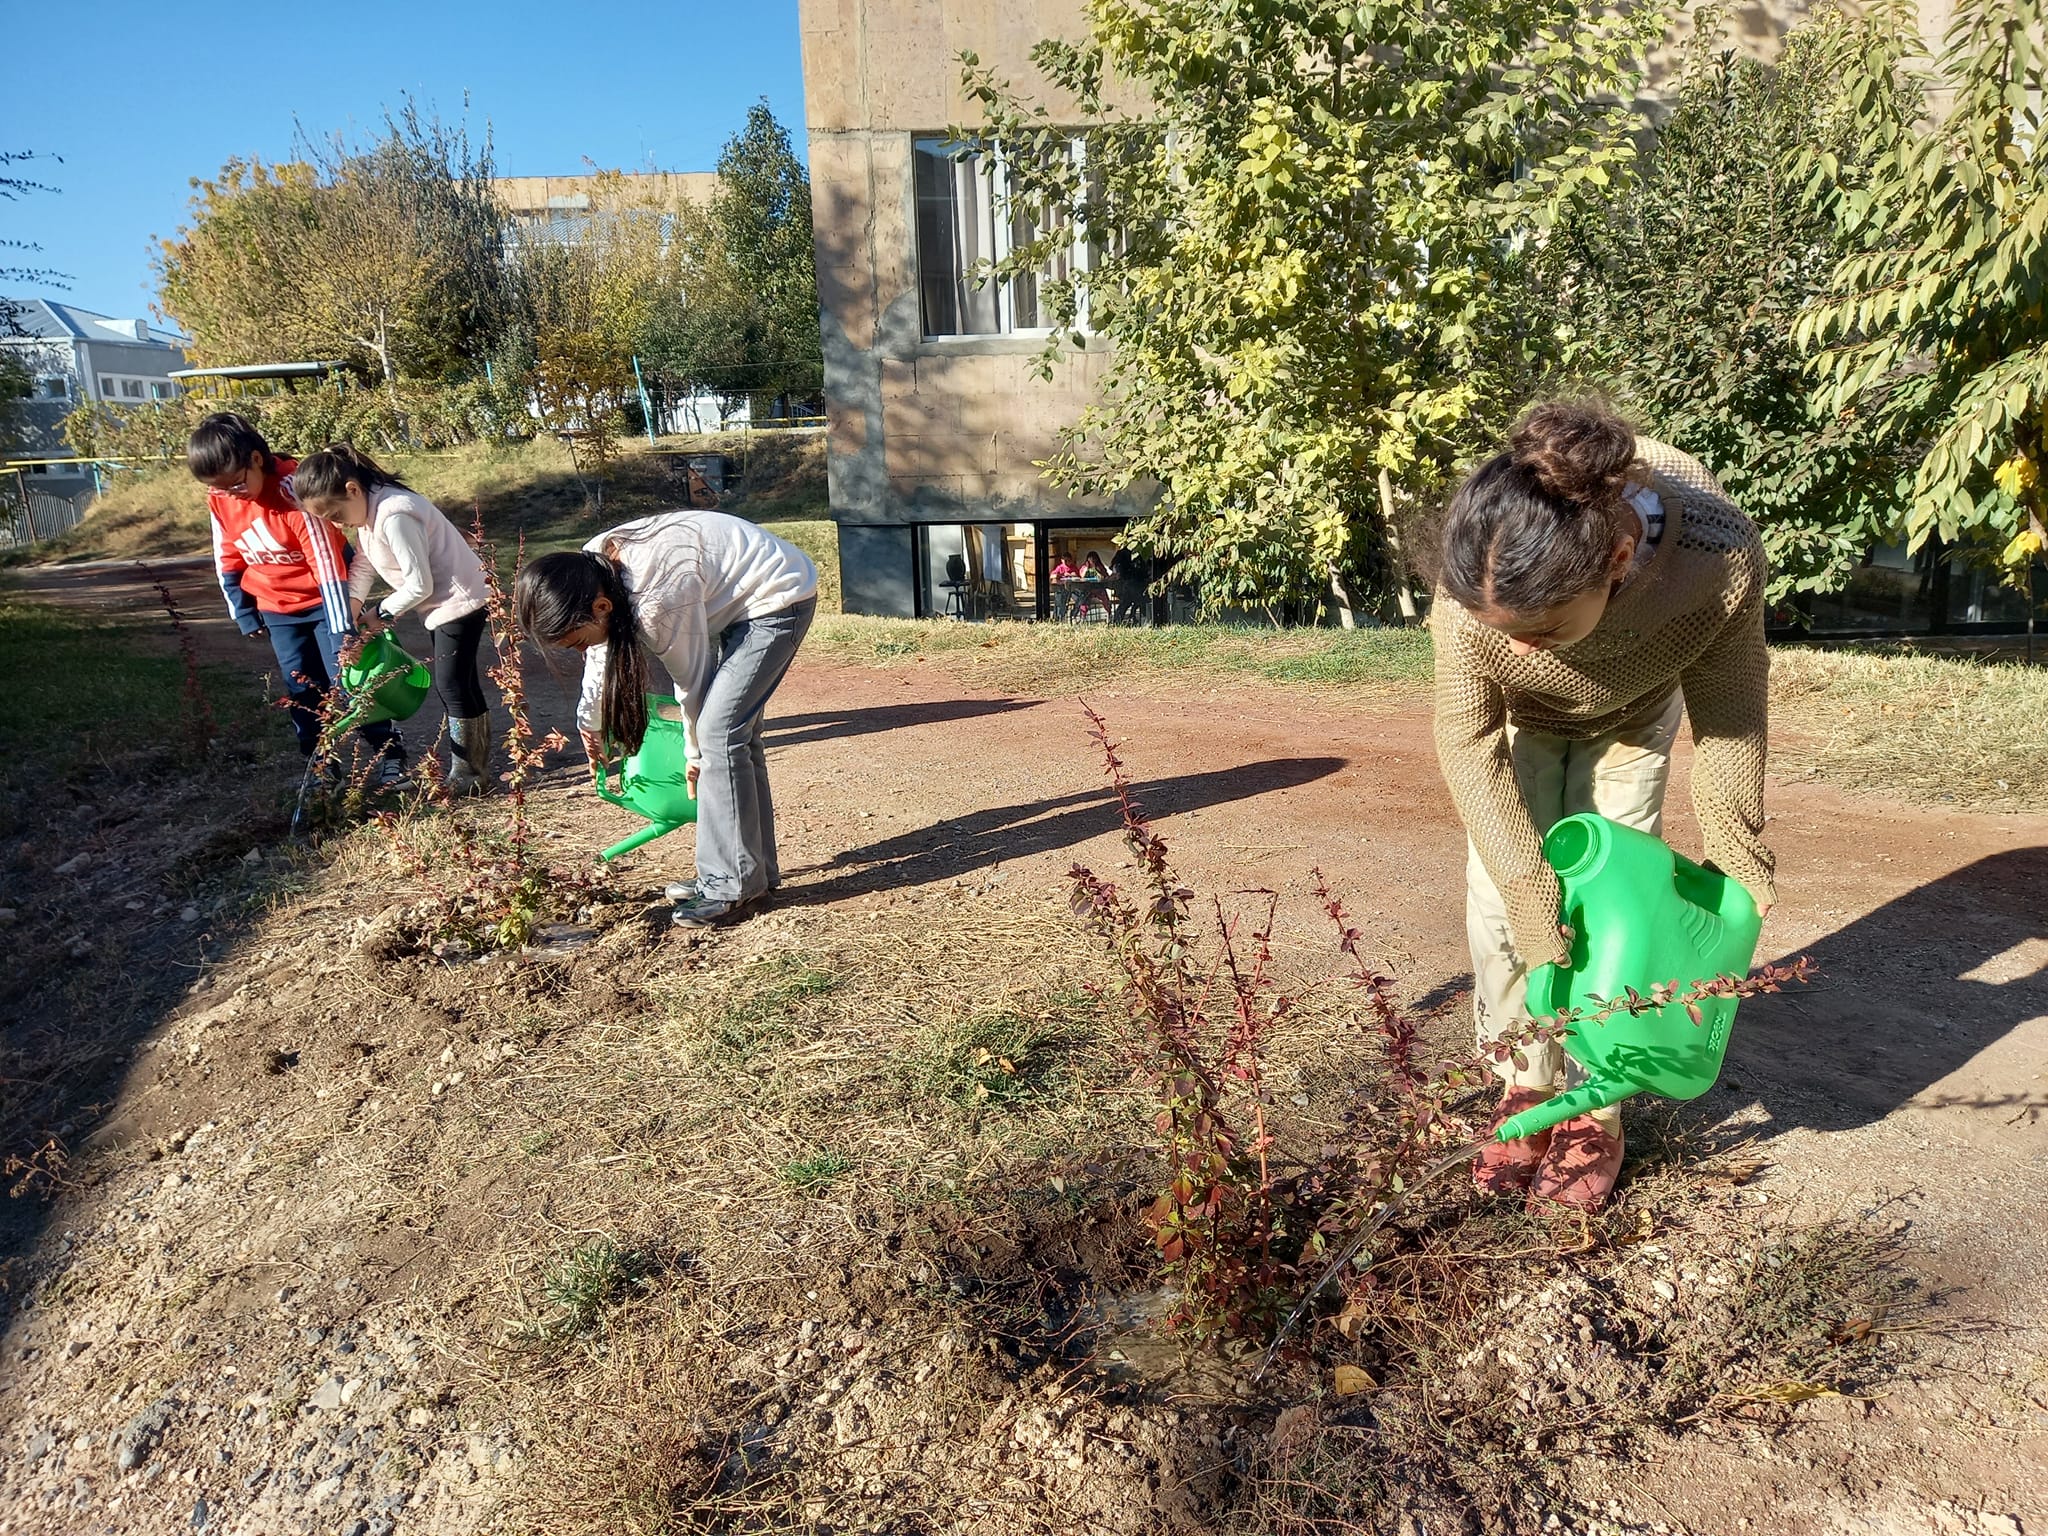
x=818, y=1224
x=1934, y=729
x=1050, y=659
x=529, y=489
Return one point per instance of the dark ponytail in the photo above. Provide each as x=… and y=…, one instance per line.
x=1535, y=526
x=557, y=593
x=324, y=476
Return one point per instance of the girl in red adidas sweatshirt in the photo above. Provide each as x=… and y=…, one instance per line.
x=285, y=575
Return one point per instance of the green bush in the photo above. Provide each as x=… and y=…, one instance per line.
x=298, y=421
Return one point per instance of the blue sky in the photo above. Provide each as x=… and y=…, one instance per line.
x=151, y=101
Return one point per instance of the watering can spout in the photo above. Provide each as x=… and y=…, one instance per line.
x=1600, y=1093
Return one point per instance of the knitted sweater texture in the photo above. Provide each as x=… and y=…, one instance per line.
x=1692, y=620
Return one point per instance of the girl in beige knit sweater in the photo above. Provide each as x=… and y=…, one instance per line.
x=1594, y=587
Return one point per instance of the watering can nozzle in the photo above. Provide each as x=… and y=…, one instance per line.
x=1601, y=1093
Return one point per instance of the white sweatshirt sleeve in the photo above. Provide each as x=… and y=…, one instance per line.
x=413, y=578
x=592, y=693
x=664, y=561
x=361, y=577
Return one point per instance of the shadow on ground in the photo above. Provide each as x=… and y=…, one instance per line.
x=831, y=724
x=951, y=849
x=1907, y=996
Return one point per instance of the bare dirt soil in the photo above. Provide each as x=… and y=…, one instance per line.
x=1907, y=1088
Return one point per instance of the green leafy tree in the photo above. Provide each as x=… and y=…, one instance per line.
x=1310, y=252
x=1936, y=324
x=747, y=323
x=390, y=254
x=1682, y=288
x=591, y=303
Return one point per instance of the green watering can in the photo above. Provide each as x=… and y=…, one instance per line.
x=654, y=782
x=1642, y=916
x=383, y=683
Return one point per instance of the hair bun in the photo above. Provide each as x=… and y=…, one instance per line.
x=1579, y=452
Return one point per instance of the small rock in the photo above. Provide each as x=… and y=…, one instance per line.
x=8, y=916
x=323, y=1490
x=327, y=1396
x=73, y=865
x=140, y=1435
x=253, y=856
x=188, y=914
x=200, y=1514
x=1665, y=1289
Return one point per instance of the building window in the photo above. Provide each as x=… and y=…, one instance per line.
x=163, y=391
x=976, y=571
x=106, y=387
x=962, y=224
x=132, y=389
x=57, y=387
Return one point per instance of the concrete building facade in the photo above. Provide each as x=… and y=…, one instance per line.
x=937, y=418
x=557, y=209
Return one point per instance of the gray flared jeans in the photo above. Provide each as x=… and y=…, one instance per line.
x=735, y=814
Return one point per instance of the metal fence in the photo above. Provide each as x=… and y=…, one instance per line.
x=34, y=515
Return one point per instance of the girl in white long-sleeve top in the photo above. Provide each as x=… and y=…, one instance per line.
x=429, y=566
x=724, y=604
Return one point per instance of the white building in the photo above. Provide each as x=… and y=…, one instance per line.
x=77, y=355
x=73, y=355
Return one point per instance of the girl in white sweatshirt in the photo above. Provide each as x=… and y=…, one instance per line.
x=429, y=565
x=724, y=604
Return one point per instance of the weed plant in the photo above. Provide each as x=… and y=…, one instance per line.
x=583, y=1285
x=1252, y=1231
x=489, y=882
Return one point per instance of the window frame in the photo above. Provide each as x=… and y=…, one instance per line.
x=998, y=233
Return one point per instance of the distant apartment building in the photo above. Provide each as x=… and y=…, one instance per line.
x=570, y=210
x=936, y=415
x=566, y=209
x=76, y=355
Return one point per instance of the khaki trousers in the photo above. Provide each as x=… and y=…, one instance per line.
x=1622, y=777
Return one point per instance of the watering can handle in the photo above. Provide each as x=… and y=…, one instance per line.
x=599, y=782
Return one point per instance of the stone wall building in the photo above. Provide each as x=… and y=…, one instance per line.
x=936, y=414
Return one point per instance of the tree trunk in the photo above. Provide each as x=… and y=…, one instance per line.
x=384, y=360
x=1404, y=592
x=1345, y=617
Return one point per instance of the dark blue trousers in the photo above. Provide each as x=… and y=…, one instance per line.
x=309, y=655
